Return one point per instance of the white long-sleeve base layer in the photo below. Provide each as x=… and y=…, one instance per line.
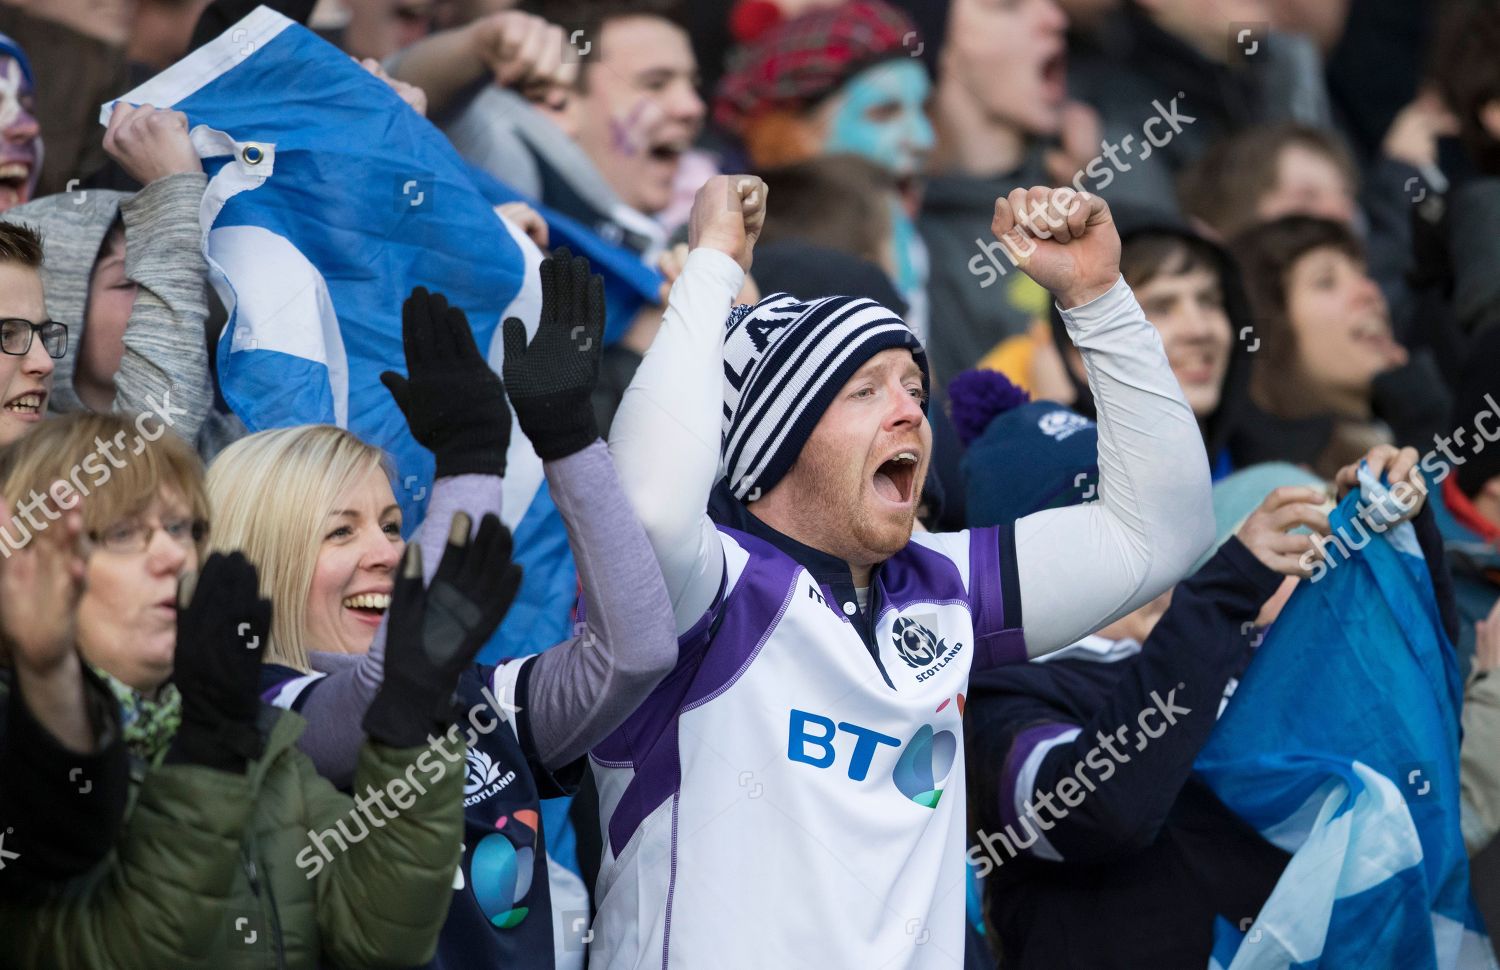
x=793, y=793
x=1079, y=568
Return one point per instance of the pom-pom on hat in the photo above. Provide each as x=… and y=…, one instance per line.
x=1023, y=456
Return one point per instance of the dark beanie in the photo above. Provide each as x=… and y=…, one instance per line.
x=1028, y=456
x=806, y=270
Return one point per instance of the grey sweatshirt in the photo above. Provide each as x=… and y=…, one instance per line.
x=165, y=361
x=581, y=689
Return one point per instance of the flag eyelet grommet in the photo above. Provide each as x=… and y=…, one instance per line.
x=252, y=155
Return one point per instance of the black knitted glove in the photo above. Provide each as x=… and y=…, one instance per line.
x=550, y=382
x=434, y=633
x=453, y=400
x=222, y=629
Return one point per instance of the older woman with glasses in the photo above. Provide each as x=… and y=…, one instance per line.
x=234, y=852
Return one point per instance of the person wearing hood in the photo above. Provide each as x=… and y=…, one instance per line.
x=127, y=274
x=1191, y=292
x=1330, y=378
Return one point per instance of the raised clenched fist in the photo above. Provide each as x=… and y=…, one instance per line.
x=1063, y=239
x=150, y=143
x=728, y=215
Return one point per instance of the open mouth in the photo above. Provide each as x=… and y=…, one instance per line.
x=26, y=405
x=909, y=188
x=1195, y=368
x=368, y=606
x=668, y=152
x=896, y=476
x=15, y=184
x=1375, y=334
x=1055, y=76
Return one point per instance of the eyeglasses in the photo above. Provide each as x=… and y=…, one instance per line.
x=16, y=334
x=134, y=535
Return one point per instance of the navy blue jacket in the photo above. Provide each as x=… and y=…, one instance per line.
x=1133, y=872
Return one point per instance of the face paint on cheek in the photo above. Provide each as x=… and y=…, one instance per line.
x=627, y=130
x=898, y=144
x=11, y=82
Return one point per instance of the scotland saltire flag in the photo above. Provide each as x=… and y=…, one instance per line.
x=328, y=200
x=1341, y=746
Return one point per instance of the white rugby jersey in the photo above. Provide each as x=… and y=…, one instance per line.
x=792, y=795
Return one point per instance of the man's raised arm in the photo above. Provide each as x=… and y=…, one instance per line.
x=1084, y=566
x=665, y=437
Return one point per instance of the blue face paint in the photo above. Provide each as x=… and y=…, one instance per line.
x=903, y=240
x=880, y=115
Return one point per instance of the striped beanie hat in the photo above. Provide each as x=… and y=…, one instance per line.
x=784, y=361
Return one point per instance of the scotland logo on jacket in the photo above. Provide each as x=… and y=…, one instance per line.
x=921, y=648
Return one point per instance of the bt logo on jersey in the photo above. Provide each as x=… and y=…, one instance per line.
x=918, y=773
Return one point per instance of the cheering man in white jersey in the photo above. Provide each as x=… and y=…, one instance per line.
x=792, y=795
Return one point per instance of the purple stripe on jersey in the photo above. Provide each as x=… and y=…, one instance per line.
x=994, y=643
x=649, y=738
x=917, y=574
x=1020, y=749
x=984, y=582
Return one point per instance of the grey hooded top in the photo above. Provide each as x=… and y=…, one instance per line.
x=164, y=368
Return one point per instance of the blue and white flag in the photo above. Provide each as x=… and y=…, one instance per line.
x=1341, y=747
x=328, y=200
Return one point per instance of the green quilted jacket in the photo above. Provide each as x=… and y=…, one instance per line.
x=223, y=871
